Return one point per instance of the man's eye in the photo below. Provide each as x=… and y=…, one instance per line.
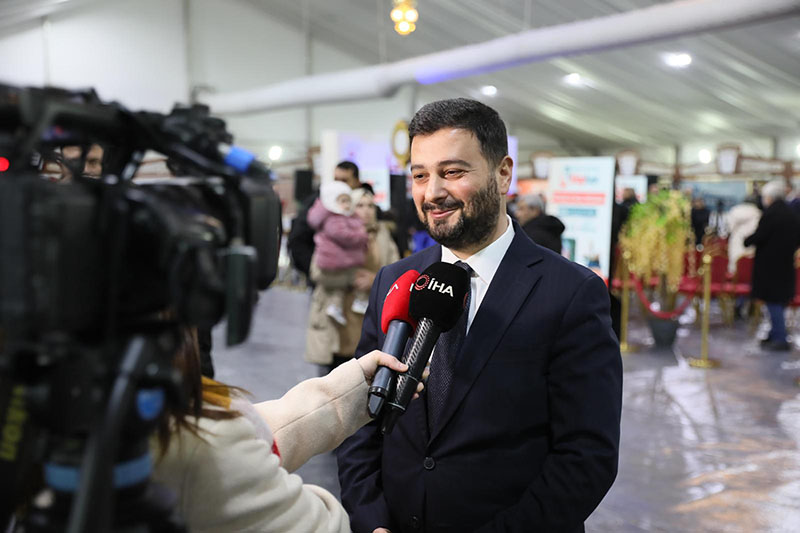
x=453, y=173
x=418, y=176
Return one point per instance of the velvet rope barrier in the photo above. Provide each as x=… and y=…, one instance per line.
x=647, y=303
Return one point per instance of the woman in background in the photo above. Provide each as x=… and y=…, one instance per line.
x=327, y=343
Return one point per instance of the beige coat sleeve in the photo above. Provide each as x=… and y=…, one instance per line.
x=230, y=481
x=316, y=415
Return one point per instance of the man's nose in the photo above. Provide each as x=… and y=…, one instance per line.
x=436, y=190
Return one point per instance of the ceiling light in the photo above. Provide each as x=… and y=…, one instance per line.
x=489, y=90
x=705, y=156
x=576, y=80
x=797, y=149
x=678, y=60
x=275, y=153
x=404, y=14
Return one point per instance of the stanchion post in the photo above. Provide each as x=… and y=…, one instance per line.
x=624, y=347
x=704, y=361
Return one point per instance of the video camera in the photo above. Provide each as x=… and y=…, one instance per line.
x=97, y=279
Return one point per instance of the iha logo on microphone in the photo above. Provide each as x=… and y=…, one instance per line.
x=427, y=282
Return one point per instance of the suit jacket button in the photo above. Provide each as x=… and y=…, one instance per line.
x=429, y=463
x=415, y=522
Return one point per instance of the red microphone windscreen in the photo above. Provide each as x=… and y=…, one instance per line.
x=395, y=306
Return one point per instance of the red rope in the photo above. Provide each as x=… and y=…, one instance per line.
x=658, y=314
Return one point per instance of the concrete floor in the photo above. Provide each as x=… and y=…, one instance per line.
x=702, y=450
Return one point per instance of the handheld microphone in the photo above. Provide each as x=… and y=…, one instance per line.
x=398, y=326
x=437, y=301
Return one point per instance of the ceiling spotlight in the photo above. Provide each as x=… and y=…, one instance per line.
x=576, y=80
x=797, y=149
x=678, y=60
x=275, y=153
x=489, y=90
x=404, y=14
x=705, y=156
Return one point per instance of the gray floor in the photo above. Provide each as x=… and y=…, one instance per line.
x=702, y=450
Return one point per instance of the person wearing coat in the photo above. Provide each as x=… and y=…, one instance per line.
x=776, y=239
x=742, y=221
x=524, y=435
x=228, y=462
x=543, y=229
x=235, y=473
x=327, y=342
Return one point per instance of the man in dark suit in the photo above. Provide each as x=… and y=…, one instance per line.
x=527, y=438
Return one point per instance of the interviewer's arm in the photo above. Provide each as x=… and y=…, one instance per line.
x=316, y=415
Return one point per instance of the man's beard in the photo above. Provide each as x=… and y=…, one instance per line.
x=475, y=223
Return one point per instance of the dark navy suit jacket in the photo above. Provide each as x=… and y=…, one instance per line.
x=529, y=437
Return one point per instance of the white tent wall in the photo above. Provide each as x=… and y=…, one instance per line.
x=22, y=56
x=128, y=51
x=234, y=44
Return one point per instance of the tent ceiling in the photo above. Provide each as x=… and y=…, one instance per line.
x=743, y=82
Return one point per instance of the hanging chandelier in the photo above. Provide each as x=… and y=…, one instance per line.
x=404, y=15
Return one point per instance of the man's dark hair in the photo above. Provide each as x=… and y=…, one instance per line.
x=367, y=187
x=470, y=115
x=349, y=165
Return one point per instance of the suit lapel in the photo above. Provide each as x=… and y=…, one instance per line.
x=510, y=287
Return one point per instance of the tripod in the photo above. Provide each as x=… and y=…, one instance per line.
x=101, y=482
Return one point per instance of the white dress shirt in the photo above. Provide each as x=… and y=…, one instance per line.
x=484, y=265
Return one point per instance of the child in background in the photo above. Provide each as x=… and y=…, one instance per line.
x=341, y=245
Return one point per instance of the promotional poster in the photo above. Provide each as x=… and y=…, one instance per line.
x=580, y=193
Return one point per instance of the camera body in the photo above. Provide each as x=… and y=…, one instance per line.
x=99, y=277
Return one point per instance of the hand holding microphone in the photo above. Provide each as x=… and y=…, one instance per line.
x=436, y=301
x=398, y=326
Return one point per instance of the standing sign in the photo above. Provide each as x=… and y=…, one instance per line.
x=580, y=193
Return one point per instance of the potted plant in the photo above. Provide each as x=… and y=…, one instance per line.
x=655, y=239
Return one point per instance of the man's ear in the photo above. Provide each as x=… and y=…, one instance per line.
x=504, y=174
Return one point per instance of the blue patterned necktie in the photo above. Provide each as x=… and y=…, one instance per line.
x=444, y=359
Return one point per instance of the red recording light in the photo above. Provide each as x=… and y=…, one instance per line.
x=4, y=164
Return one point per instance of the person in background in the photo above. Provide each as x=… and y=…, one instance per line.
x=301, y=236
x=793, y=199
x=717, y=220
x=629, y=198
x=776, y=239
x=699, y=217
x=545, y=230
x=328, y=343
x=340, y=241
x=74, y=162
x=741, y=221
